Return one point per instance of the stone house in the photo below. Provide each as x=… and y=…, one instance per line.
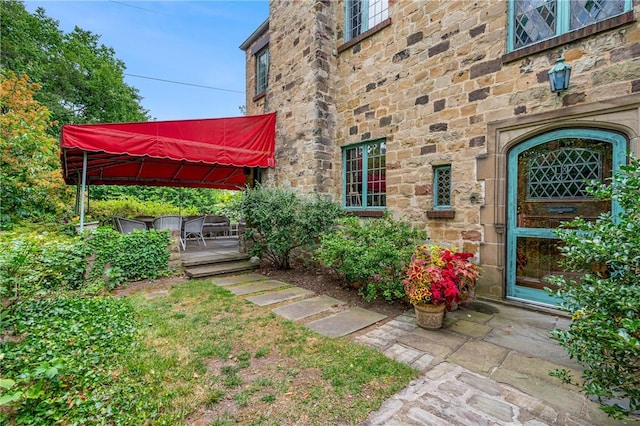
x=441, y=112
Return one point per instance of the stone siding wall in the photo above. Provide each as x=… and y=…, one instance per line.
x=301, y=74
x=432, y=82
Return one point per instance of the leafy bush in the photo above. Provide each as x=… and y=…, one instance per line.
x=32, y=264
x=194, y=200
x=64, y=364
x=604, y=335
x=371, y=254
x=279, y=222
x=128, y=257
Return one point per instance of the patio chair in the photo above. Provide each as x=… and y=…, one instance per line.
x=126, y=226
x=216, y=225
x=172, y=223
x=193, y=229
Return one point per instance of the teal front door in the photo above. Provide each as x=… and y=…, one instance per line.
x=546, y=186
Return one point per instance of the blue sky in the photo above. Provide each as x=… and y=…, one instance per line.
x=195, y=42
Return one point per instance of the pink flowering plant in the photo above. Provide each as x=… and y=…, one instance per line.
x=437, y=275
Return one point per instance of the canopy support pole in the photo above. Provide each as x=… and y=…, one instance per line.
x=76, y=208
x=84, y=184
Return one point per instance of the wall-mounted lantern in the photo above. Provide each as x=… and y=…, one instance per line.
x=559, y=76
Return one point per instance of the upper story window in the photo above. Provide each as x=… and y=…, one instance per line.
x=532, y=21
x=262, y=70
x=364, y=168
x=361, y=15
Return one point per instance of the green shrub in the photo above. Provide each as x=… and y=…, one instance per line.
x=371, y=254
x=129, y=257
x=32, y=264
x=604, y=335
x=130, y=206
x=65, y=364
x=279, y=222
x=201, y=200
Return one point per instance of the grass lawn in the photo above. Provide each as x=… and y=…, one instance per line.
x=214, y=359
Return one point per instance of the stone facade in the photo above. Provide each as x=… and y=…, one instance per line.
x=436, y=81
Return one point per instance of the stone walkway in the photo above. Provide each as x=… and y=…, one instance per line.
x=488, y=365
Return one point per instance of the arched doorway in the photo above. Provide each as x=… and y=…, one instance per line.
x=546, y=187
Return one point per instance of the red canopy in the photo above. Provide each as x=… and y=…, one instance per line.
x=210, y=153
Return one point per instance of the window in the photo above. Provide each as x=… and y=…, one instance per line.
x=442, y=187
x=532, y=21
x=262, y=70
x=562, y=173
x=361, y=15
x=364, y=175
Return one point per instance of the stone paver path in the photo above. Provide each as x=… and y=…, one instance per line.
x=307, y=307
x=238, y=279
x=256, y=287
x=345, y=322
x=278, y=296
x=482, y=369
x=488, y=365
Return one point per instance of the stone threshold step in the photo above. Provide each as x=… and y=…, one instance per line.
x=214, y=259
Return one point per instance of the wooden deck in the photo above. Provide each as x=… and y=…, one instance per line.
x=221, y=256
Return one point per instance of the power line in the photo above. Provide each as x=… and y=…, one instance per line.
x=183, y=83
x=137, y=7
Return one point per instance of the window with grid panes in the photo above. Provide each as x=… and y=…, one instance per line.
x=442, y=187
x=532, y=21
x=262, y=70
x=361, y=15
x=364, y=168
x=562, y=173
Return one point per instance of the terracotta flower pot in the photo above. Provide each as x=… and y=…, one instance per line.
x=429, y=316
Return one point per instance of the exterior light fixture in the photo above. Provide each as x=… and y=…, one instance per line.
x=559, y=76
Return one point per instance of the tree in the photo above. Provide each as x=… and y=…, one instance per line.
x=604, y=335
x=32, y=184
x=81, y=80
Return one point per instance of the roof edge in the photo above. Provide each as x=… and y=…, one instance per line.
x=263, y=28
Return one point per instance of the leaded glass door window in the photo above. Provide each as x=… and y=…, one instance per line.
x=548, y=178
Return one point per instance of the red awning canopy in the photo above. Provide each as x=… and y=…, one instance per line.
x=210, y=153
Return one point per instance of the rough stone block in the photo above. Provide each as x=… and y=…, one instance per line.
x=626, y=52
x=401, y=55
x=573, y=98
x=422, y=100
x=479, y=94
x=414, y=38
x=439, y=48
x=493, y=407
x=476, y=141
x=474, y=32
x=424, y=417
x=484, y=68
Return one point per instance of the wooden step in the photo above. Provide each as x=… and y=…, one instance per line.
x=211, y=259
x=216, y=269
